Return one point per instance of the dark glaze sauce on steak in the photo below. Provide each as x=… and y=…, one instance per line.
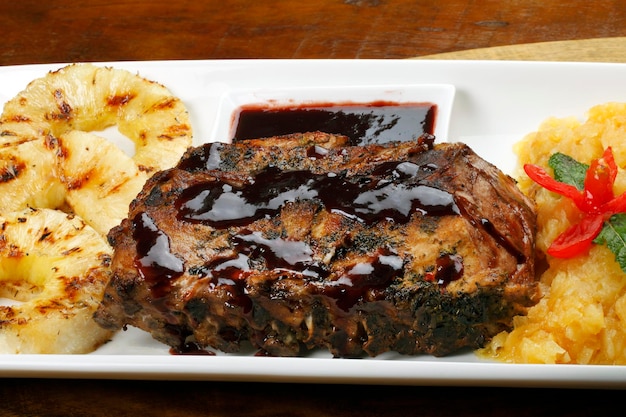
x=302, y=242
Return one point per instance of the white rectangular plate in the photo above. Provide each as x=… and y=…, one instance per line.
x=496, y=104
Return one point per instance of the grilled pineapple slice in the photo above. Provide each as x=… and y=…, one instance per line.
x=28, y=177
x=99, y=178
x=81, y=173
x=55, y=266
x=89, y=98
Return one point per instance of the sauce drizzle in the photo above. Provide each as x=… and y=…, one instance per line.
x=391, y=193
x=363, y=278
x=448, y=268
x=154, y=261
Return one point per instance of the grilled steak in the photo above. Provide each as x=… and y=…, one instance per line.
x=303, y=242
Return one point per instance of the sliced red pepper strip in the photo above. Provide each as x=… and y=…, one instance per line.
x=610, y=162
x=578, y=238
x=615, y=206
x=599, y=181
x=541, y=177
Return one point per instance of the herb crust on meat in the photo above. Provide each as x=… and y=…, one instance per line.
x=303, y=242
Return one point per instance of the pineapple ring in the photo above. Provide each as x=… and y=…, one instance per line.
x=89, y=98
x=99, y=179
x=56, y=267
x=28, y=177
x=49, y=157
x=80, y=172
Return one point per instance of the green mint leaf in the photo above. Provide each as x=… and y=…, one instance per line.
x=568, y=170
x=613, y=235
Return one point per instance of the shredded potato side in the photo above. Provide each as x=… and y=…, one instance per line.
x=582, y=316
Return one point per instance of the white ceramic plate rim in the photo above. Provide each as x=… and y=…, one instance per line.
x=496, y=103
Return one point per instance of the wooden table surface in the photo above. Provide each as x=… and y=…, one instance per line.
x=35, y=31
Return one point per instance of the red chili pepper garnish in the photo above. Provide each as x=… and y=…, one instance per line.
x=578, y=238
x=599, y=181
x=616, y=205
x=541, y=177
x=596, y=201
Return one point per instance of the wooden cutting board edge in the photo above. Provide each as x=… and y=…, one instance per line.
x=584, y=50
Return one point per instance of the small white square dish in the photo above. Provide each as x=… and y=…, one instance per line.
x=438, y=97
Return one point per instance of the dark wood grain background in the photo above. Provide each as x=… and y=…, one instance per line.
x=34, y=31
x=227, y=399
